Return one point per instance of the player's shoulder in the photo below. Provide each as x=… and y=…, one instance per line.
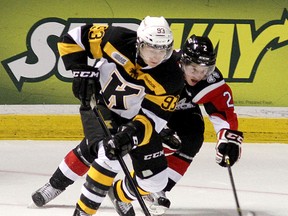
x=212, y=82
x=172, y=66
x=120, y=33
x=172, y=63
x=175, y=57
x=171, y=74
x=215, y=77
x=123, y=39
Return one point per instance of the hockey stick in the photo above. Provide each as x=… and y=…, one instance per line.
x=122, y=162
x=227, y=160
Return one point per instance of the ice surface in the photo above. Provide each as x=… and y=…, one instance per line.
x=261, y=179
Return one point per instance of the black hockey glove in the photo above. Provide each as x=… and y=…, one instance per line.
x=170, y=141
x=229, y=143
x=85, y=83
x=122, y=142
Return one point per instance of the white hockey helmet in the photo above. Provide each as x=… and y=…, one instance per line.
x=155, y=32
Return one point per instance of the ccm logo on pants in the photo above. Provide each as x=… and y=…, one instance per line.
x=154, y=155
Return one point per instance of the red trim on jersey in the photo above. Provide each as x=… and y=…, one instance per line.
x=231, y=118
x=209, y=93
x=220, y=97
x=177, y=164
x=76, y=165
x=168, y=151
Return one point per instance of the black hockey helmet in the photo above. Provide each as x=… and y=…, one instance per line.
x=199, y=50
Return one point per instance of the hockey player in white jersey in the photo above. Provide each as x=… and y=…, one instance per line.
x=140, y=83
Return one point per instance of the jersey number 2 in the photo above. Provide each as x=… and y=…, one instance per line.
x=229, y=99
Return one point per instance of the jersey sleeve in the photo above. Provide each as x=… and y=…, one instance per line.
x=80, y=43
x=219, y=105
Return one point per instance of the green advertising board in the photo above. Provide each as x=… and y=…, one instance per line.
x=251, y=38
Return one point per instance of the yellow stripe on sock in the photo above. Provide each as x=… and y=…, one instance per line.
x=100, y=177
x=141, y=191
x=120, y=192
x=85, y=208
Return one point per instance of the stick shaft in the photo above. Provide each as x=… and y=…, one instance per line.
x=227, y=160
x=122, y=164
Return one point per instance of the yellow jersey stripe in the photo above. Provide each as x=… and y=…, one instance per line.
x=66, y=48
x=148, y=128
x=132, y=70
x=96, y=34
x=167, y=102
x=152, y=84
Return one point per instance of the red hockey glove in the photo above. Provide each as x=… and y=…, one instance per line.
x=229, y=143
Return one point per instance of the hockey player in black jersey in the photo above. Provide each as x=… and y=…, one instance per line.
x=140, y=82
x=204, y=85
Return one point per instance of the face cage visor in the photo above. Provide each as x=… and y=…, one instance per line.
x=162, y=51
x=191, y=68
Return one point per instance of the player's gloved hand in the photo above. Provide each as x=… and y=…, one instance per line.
x=122, y=142
x=229, y=143
x=170, y=141
x=85, y=83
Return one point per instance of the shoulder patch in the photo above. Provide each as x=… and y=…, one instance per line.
x=119, y=58
x=213, y=77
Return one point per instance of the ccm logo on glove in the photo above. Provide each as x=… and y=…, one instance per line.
x=229, y=143
x=231, y=136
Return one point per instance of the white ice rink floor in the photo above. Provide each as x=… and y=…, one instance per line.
x=261, y=178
